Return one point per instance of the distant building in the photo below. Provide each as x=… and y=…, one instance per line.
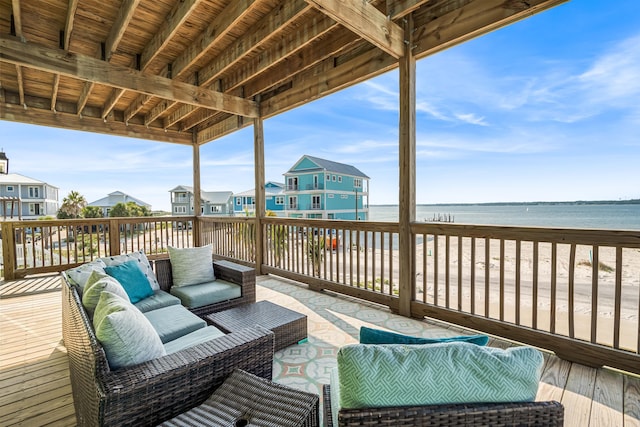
x=112, y=199
x=274, y=199
x=212, y=203
x=22, y=197
x=319, y=188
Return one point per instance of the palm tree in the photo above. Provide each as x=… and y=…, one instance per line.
x=72, y=205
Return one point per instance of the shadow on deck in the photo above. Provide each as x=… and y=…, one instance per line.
x=34, y=373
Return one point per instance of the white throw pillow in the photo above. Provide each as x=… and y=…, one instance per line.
x=191, y=266
x=127, y=337
x=80, y=275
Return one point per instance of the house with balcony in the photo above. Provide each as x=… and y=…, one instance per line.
x=245, y=202
x=112, y=199
x=22, y=197
x=212, y=203
x=320, y=188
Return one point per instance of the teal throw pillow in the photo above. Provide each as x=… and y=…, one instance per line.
x=377, y=336
x=132, y=279
x=374, y=376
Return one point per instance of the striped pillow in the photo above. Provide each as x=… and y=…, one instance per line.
x=191, y=266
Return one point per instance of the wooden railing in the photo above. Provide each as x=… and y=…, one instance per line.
x=572, y=291
x=31, y=247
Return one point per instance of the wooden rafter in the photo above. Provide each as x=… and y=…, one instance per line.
x=366, y=21
x=86, y=68
x=265, y=29
x=400, y=8
x=68, y=27
x=17, y=22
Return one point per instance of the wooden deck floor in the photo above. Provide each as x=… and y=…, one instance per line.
x=34, y=375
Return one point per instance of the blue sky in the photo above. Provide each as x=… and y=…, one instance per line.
x=547, y=109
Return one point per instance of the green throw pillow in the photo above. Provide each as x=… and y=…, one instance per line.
x=132, y=279
x=98, y=283
x=125, y=334
x=191, y=266
x=457, y=372
x=376, y=336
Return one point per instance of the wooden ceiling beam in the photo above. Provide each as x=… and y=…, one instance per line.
x=367, y=22
x=68, y=26
x=397, y=9
x=167, y=30
x=213, y=34
x=266, y=29
x=17, y=23
x=453, y=27
x=288, y=49
x=445, y=27
x=125, y=14
x=70, y=120
x=84, y=67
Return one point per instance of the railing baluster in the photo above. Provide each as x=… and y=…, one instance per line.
x=518, y=279
x=447, y=270
x=571, y=290
x=617, y=299
x=436, y=264
x=595, y=263
x=501, y=280
x=534, y=285
x=554, y=286
x=459, y=272
x=472, y=267
x=487, y=267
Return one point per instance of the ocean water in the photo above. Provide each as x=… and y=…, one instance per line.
x=605, y=216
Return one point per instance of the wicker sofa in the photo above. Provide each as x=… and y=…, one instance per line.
x=540, y=414
x=243, y=276
x=159, y=389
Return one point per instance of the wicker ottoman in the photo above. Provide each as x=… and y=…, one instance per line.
x=289, y=327
x=247, y=400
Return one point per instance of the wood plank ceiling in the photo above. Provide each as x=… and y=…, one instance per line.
x=194, y=70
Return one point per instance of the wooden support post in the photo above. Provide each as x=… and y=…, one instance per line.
x=8, y=250
x=197, y=239
x=407, y=157
x=258, y=142
x=114, y=237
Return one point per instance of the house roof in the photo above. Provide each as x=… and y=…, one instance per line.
x=212, y=197
x=16, y=178
x=116, y=197
x=183, y=71
x=216, y=197
x=328, y=166
x=270, y=187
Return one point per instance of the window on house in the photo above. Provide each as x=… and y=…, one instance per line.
x=315, y=202
x=216, y=209
x=10, y=188
x=292, y=183
x=328, y=177
x=357, y=183
x=35, y=209
x=238, y=201
x=180, y=209
x=293, y=202
x=279, y=200
x=339, y=179
x=34, y=192
x=333, y=178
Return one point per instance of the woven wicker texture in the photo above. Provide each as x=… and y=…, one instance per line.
x=540, y=414
x=225, y=270
x=289, y=326
x=157, y=390
x=247, y=400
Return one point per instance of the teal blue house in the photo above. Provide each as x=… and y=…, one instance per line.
x=319, y=188
x=245, y=202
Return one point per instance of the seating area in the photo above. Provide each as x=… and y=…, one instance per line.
x=334, y=323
